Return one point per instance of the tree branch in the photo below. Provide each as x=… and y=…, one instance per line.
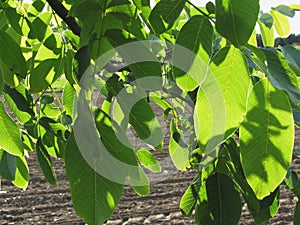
x=62, y=12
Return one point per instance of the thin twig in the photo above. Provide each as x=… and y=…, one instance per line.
x=200, y=10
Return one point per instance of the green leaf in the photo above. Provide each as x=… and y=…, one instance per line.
x=66, y=119
x=292, y=55
x=189, y=198
x=10, y=137
x=267, y=20
x=164, y=14
x=295, y=7
x=145, y=123
x=144, y=6
x=39, y=26
x=45, y=162
x=139, y=182
x=13, y=19
x=9, y=77
x=266, y=137
x=297, y=214
x=221, y=100
x=46, y=99
x=20, y=102
x=94, y=197
x=11, y=55
x=51, y=125
x=90, y=12
x=68, y=67
x=147, y=160
x=285, y=10
x=28, y=144
x=191, y=57
x=219, y=202
x=291, y=179
x=234, y=171
x=281, y=76
x=8, y=165
x=84, y=10
x=50, y=110
x=267, y=34
x=210, y=7
x=1, y=80
x=236, y=19
x=22, y=173
x=140, y=60
x=188, y=202
x=179, y=150
x=44, y=74
x=268, y=208
x=54, y=145
x=281, y=23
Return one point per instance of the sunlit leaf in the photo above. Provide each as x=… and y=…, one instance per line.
x=68, y=98
x=267, y=34
x=20, y=102
x=22, y=173
x=189, y=198
x=191, y=57
x=295, y=7
x=146, y=158
x=39, y=26
x=179, y=150
x=267, y=136
x=10, y=137
x=281, y=23
x=89, y=190
x=221, y=100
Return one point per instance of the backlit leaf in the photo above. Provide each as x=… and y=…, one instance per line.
x=22, y=173
x=191, y=57
x=146, y=158
x=89, y=190
x=267, y=136
x=10, y=137
x=221, y=100
x=281, y=23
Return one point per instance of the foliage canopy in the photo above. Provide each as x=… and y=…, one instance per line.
x=243, y=99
